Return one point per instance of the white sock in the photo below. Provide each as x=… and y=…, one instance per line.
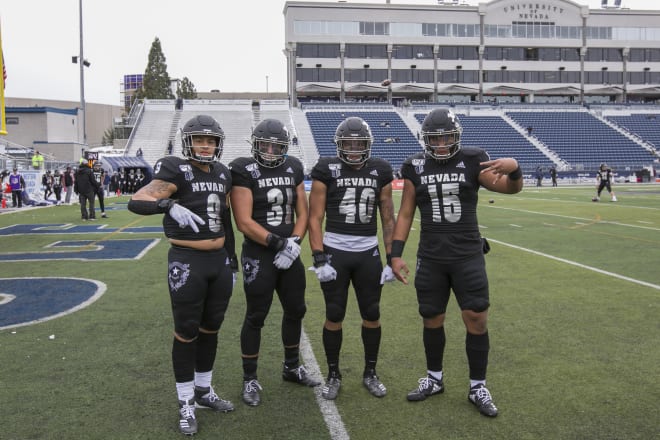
x=185, y=390
x=474, y=383
x=437, y=375
x=203, y=380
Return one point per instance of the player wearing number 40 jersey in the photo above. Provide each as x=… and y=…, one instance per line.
x=443, y=182
x=270, y=209
x=349, y=191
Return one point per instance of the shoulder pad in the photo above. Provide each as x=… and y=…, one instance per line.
x=472, y=151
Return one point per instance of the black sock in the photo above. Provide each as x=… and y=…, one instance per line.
x=434, y=347
x=371, y=342
x=332, y=340
x=476, y=347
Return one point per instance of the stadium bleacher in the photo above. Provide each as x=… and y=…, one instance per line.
x=573, y=138
x=582, y=140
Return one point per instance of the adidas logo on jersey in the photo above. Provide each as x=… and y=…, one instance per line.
x=374, y=173
x=289, y=170
x=460, y=165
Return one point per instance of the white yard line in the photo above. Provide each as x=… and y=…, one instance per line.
x=574, y=263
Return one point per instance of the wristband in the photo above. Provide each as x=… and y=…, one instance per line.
x=397, y=248
x=515, y=174
x=297, y=239
x=388, y=258
x=320, y=258
x=275, y=243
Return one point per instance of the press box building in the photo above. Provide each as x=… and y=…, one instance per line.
x=502, y=50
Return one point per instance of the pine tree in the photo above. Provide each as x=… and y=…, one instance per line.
x=156, y=81
x=186, y=89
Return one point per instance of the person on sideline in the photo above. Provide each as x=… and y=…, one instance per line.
x=17, y=185
x=192, y=193
x=270, y=209
x=443, y=182
x=68, y=185
x=86, y=186
x=37, y=161
x=349, y=190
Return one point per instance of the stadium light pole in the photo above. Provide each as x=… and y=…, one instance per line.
x=82, y=63
x=266, y=84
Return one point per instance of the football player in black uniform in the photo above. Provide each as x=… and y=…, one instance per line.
x=270, y=209
x=604, y=180
x=443, y=182
x=99, y=175
x=349, y=190
x=192, y=193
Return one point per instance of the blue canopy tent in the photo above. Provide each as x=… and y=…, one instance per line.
x=115, y=163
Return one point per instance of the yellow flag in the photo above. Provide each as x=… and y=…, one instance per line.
x=3, y=120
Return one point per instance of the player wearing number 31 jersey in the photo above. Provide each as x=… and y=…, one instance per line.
x=443, y=182
x=271, y=211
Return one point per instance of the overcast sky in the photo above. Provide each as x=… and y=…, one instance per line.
x=197, y=36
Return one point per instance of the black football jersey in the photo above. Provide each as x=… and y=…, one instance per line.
x=352, y=196
x=446, y=195
x=274, y=195
x=205, y=194
x=604, y=175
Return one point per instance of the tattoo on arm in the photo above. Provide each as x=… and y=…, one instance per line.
x=387, y=219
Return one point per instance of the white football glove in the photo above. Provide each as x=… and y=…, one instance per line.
x=387, y=275
x=325, y=273
x=285, y=258
x=185, y=217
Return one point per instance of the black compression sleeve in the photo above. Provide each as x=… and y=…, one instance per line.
x=146, y=207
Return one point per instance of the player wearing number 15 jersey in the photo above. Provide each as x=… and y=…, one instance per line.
x=443, y=182
x=270, y=209
x=349, y=191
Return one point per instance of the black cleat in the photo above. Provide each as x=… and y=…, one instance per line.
x=373, y=384
x=206, y=398
x=428, y=386
x=481, y=398
x=299, y=375
x=331, y=387
x=187, y=420
x=251, y=390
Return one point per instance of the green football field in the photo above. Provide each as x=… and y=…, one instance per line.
x=575, y=294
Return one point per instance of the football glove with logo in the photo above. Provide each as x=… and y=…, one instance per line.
x=185, y=217
x=387, y=275
x=285, y=257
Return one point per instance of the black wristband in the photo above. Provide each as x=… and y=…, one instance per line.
x=397, y=248
x=515, y=174
x=233, y=263
x=275, y=243
x=148, y=207
x=320, y=258
x=388, y=258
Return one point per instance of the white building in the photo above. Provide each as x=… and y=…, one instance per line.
x=502, y=50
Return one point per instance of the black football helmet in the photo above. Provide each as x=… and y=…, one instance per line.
x=202, y=125
x=441, y=123
x=350, y=130
x=270, y=143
